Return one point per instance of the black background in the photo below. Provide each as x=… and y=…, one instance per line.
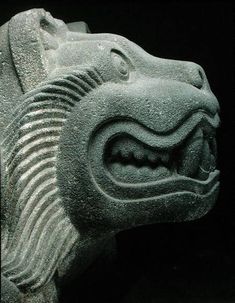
x=187, y=262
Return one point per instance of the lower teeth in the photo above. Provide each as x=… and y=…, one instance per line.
x=132, y=174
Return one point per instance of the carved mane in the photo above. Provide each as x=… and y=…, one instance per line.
x=37, y=233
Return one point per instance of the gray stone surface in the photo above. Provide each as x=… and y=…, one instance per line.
x=97, y=136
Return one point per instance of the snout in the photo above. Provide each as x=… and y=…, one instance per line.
x=182, y=71
x=195, y=75
x=162, y=105
x=168, y=69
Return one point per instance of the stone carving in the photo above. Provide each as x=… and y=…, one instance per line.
x=97, y=136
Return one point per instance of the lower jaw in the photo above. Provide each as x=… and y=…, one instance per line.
x=170, y=200
x=173, y=185
x=176, y=203
x=176, y=206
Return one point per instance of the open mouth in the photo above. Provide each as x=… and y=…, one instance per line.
x=132, y=161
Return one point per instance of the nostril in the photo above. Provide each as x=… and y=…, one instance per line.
x=199, y=79
x=201, y=75
x=195, y=75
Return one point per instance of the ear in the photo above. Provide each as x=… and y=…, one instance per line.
x=33, y=37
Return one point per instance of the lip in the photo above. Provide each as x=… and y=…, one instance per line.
x=199, y=181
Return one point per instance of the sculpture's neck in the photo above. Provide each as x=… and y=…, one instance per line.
x=83, y=254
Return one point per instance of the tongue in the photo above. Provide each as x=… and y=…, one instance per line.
x=191, y=154
x=207, y=160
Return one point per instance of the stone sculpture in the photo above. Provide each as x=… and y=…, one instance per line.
x=97, y=136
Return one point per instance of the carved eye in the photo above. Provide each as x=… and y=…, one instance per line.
x=121, y=64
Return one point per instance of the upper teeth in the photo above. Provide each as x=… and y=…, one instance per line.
x=128, y=148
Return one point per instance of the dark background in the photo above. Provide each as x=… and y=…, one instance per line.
x=188, y=262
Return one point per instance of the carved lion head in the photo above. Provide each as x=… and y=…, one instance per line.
x=100, y=136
